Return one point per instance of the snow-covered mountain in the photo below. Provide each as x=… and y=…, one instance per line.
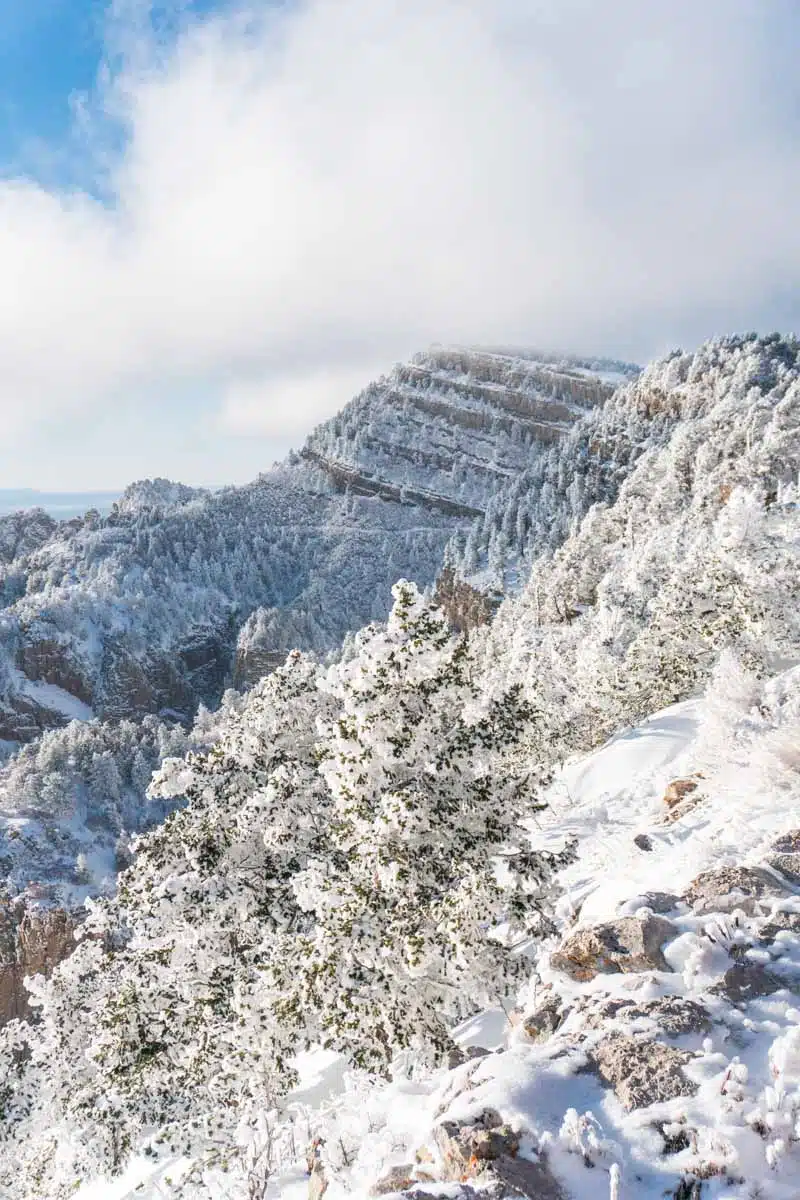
x=382, y=866
x=454, y=426
x=139, y=612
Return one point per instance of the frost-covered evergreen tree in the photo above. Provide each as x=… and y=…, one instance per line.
x=426, y=854
x=347, y=854
x=79, y=792
x=181, y=1039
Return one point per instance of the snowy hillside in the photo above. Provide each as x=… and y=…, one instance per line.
x=569, y=836
x=654, y=1076
x=460, y=424
x=676, y=1073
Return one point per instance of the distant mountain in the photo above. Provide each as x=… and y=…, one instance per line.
x=179, y=592
x=61, y=505
x=453, y=426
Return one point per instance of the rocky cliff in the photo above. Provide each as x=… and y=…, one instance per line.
x=452, y=426
x=32, y=942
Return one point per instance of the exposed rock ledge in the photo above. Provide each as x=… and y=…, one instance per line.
x=32, y=941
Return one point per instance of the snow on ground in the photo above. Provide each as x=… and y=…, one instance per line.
x=142, y=1178
x=739, y=1127
x=608, y=797
x=54, y=698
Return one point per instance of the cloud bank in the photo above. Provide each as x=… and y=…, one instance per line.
x=305, y=194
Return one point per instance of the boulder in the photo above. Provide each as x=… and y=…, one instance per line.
x=641, y=1072
x=680, y=798
x=745, y=981
x=396, y=1180
x=788, y=843
x=726, y=888
x=482, y=1139
x=789, y=866
x=543, y=1022
x=672, y=1015
x=657, y=902
x=459, y=1055
x=486, y=1149
x=625, y=945
x=521, y=1177
x=779, y=922
x=676, y=1015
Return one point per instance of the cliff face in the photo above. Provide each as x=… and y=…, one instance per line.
x=145, y=611
x=454, y=425
x=32, y=942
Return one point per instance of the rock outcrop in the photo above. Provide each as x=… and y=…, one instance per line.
x=625, y=945
x=681, y=796
x=396, y=1180
x=641, y=1072
x=463, y=1145
x=32, y=942
x=45, y=659
x=546, y=1018
x=727, y=888
x=486, y=1149
x=670, y=1015
x=788, y=865
x=23, y=720
x=747, y=981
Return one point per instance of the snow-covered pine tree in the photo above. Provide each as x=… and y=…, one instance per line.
x=181, y=1038
x=427, y=859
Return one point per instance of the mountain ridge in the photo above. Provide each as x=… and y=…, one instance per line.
x=143, y=608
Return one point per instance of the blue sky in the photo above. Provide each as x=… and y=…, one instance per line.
x=50, y=54
x=218, y=221
x=48, y=50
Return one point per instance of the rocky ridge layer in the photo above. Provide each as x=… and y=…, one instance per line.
x=453, y=425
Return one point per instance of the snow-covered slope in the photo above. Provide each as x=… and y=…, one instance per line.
x=363, y=861
x=729, y=393
x=717, y=1112
x=454, y=425
x=717, y=1115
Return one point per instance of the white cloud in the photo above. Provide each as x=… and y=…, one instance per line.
x=309, y=191
x=282, y=406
